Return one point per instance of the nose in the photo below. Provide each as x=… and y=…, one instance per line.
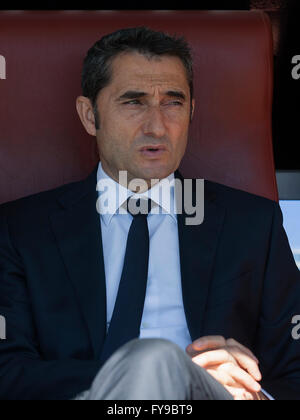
x=154, y=125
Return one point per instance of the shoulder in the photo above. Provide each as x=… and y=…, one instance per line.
x=35, y=201
x=52, y=197
x=239, y=203
x=232, y=199
x=36, y=207
x=229, y=195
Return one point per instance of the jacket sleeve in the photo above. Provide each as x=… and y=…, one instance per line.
x=24, y=375
x=276, y=346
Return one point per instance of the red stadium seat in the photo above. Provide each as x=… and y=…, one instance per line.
x=42, y=142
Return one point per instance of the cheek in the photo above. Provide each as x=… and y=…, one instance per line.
x=121, y=128
x=180, y=136
x=114, y=140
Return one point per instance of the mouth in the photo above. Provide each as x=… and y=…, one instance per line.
x=153, y=151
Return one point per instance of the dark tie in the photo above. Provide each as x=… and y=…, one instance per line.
x=127, y=315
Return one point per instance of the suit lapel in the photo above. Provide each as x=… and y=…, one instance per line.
x=197, y=245
x=78, y=233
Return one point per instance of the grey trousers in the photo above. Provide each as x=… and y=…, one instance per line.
x=153, y=369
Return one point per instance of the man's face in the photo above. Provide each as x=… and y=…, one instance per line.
x=147, y=103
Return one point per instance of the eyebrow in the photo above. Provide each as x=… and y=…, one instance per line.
x=132, y=94
x=176, y=94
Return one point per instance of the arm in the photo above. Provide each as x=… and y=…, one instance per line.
x=278, y=354
x=277, y=351
x=23, y=372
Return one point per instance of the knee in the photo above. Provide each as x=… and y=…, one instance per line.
x=149, y=351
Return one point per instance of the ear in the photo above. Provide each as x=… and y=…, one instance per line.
x=86, y=114
x=193, y=108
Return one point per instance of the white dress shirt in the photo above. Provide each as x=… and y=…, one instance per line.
x=163, y=315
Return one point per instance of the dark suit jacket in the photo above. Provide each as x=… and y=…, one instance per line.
x=239, y=280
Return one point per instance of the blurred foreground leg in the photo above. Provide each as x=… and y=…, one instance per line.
x=153, y=369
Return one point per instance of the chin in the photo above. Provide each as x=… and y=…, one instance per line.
x=155, y=171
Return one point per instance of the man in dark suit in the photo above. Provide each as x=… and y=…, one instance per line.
x=202, y=311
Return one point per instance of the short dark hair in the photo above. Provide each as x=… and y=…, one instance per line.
x=97, y=72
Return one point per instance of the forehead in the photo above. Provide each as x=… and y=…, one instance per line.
x=137, y=70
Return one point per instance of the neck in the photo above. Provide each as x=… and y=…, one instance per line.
x=136, y=185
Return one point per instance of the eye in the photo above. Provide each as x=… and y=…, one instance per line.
x=133, y=102
x=175, y=103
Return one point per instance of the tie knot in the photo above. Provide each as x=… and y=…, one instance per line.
x=139, y=207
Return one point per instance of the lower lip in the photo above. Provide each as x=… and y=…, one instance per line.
x=151, y=154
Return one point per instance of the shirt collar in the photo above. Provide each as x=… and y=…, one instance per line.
x=115, y=194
